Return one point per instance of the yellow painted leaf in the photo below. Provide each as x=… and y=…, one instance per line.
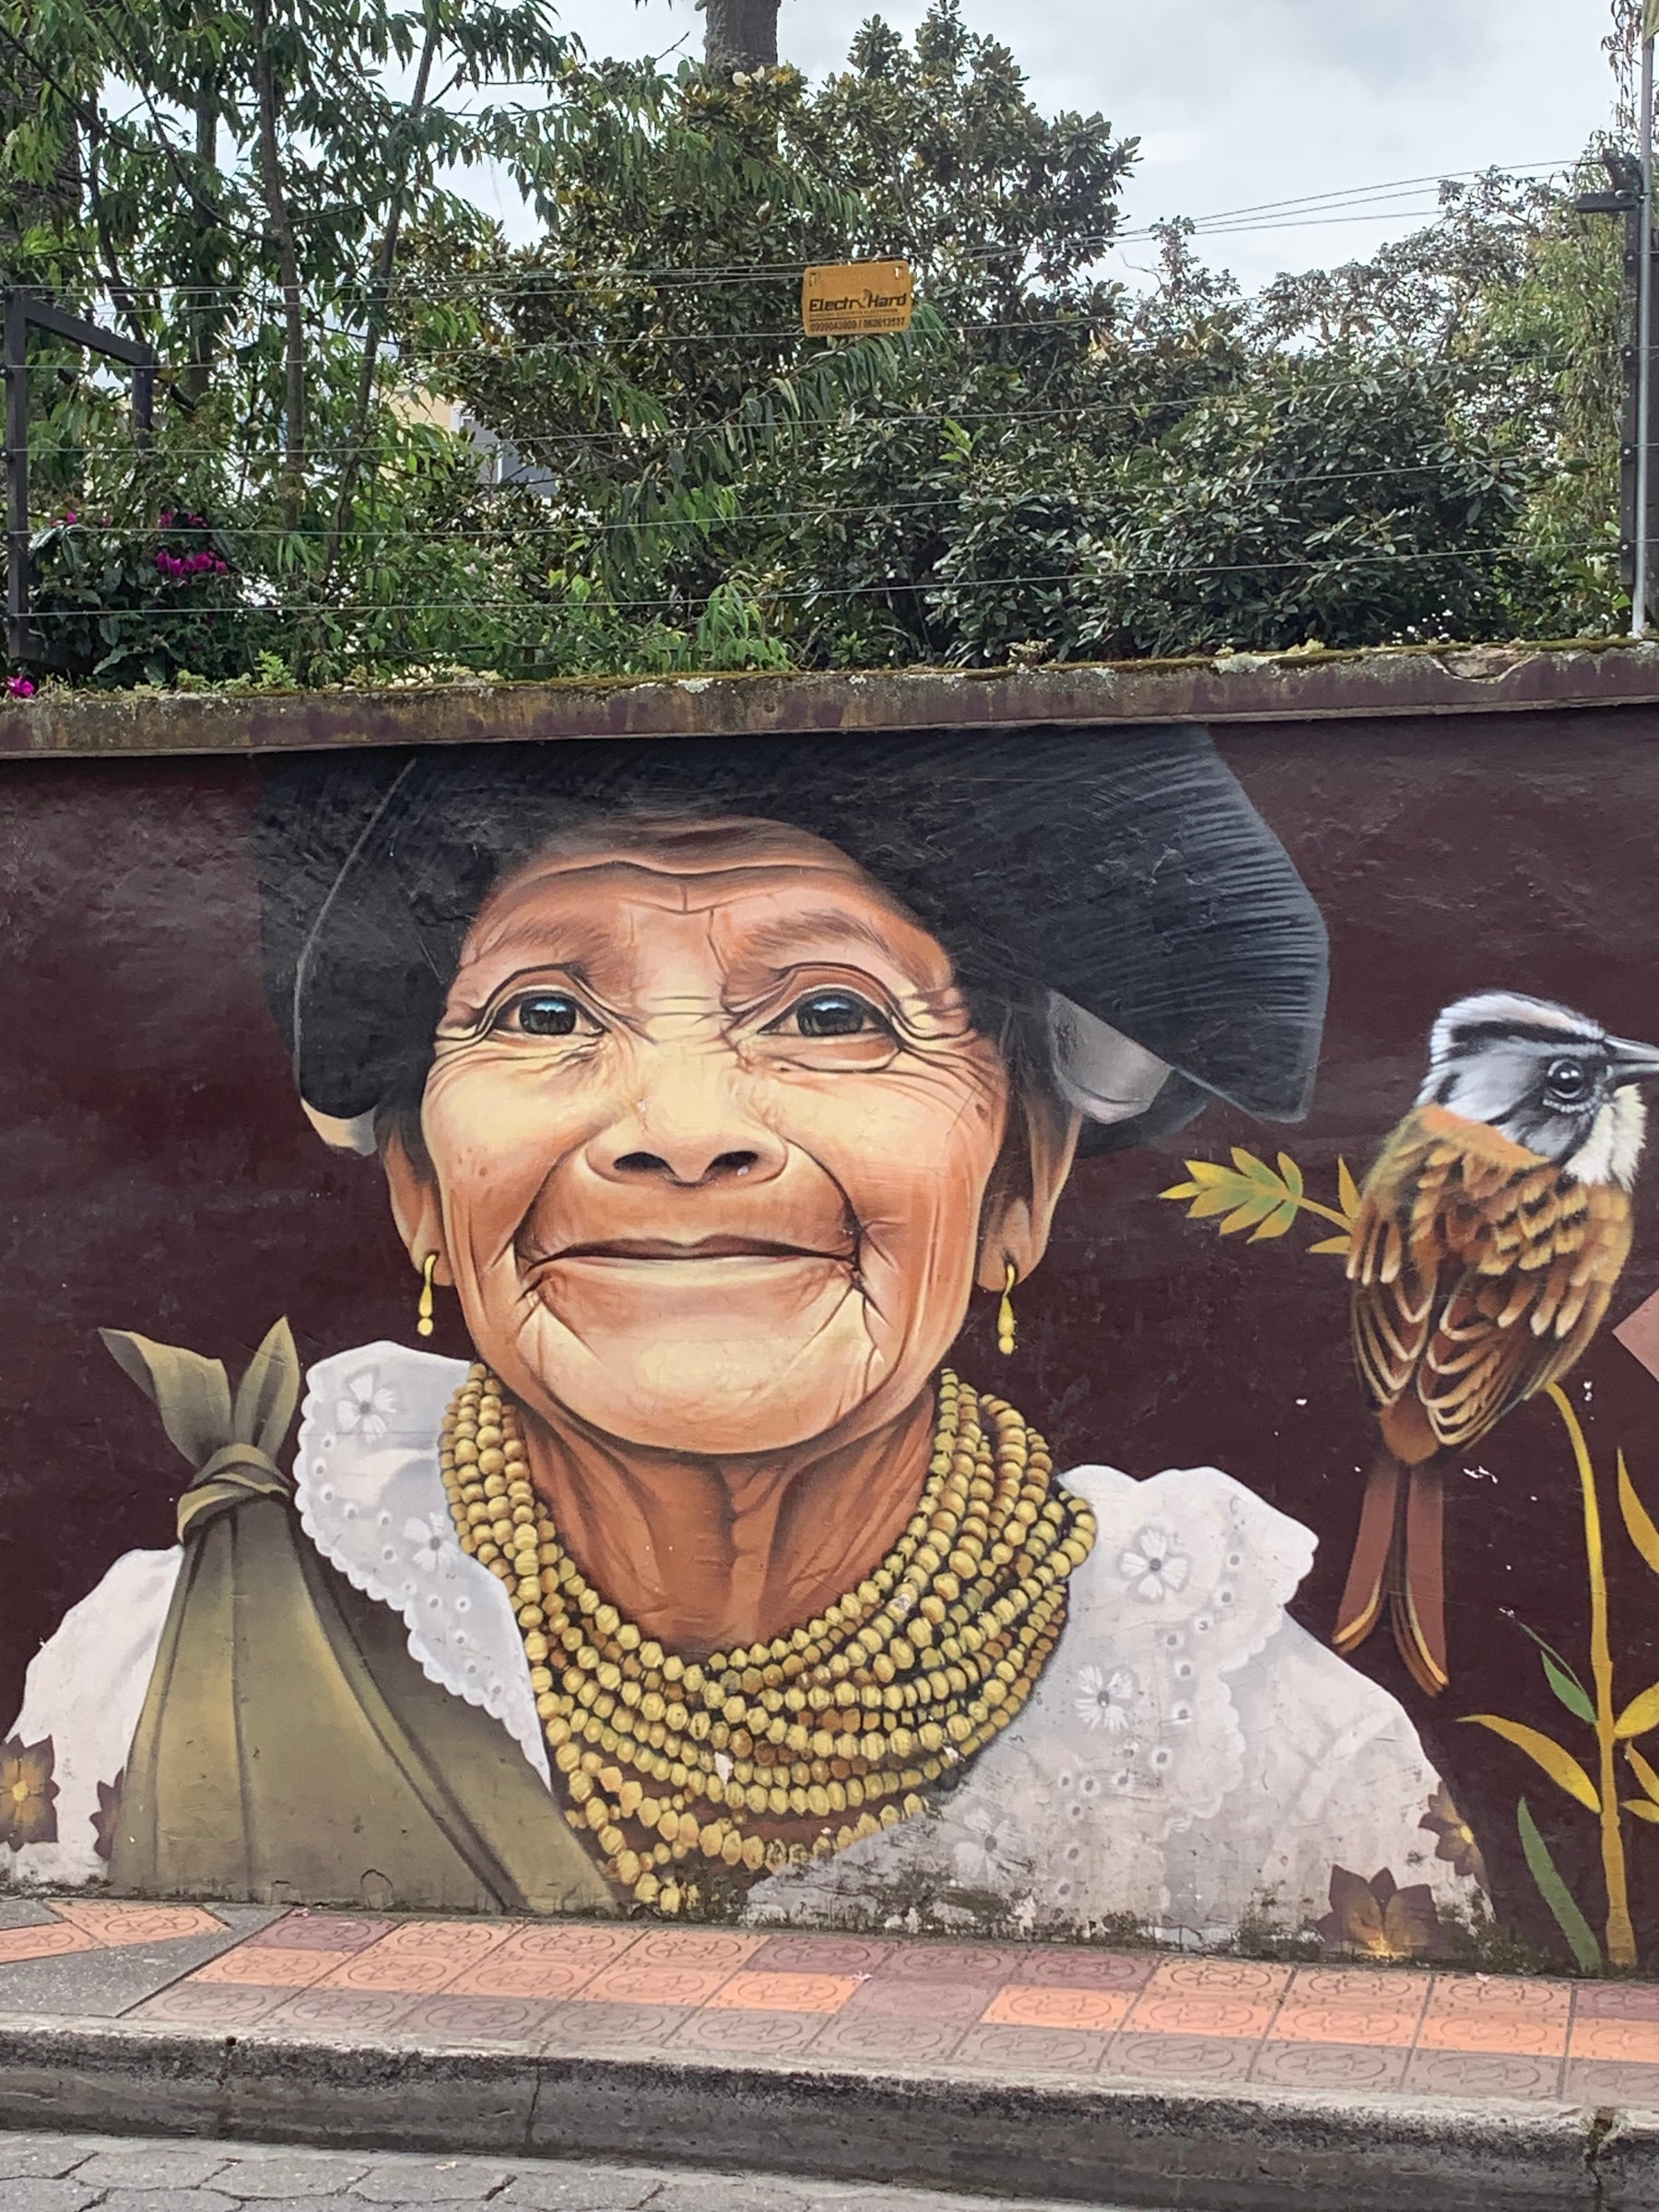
x=1638, y=1524
x=1641, y=1714
x=1243, y=1217
x=1644, y=1773
x=1281, y=1219
x=1642, y=1808
x=1182, y=1190
x=1560, y=1766
x=1343, y=1245
x=1347, y=1190
x=1214, y=1200
x=1249, y=1166
x=1207, y=1171
x=1291, y=1173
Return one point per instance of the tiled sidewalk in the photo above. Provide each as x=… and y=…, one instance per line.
x=1011, y=2010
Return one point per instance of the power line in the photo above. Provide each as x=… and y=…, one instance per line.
x=708, y=525
x=935, y=585
x=1306, y=209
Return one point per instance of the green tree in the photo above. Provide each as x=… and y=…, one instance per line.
x=245, y=214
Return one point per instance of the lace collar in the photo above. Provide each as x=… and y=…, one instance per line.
x=1188, y=1581
x=370, y=1499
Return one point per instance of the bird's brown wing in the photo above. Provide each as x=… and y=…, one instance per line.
x=1480, y=1274
x=1396, y=1273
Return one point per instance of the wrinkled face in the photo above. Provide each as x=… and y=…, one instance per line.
x=712, y=1131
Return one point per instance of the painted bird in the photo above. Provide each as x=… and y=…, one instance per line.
x=1491, y=1232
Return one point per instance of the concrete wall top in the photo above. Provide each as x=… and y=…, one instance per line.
x=1234, y=687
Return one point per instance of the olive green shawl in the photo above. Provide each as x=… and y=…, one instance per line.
x=289, y=1747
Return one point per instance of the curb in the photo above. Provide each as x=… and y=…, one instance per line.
x=1234, y=2150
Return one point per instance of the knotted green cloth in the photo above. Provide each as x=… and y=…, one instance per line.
x=289, y=1747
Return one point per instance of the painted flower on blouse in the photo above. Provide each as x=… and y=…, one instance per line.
x=1102, y=1700
x=1157, y=1567
x=365, y=1407
x=27, y=1810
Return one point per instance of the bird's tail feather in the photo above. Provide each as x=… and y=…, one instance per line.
x=1397, y=1556
x=1418, y=1590
x=1374, y=1548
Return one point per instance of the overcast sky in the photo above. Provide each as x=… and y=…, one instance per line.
x=1242, y=101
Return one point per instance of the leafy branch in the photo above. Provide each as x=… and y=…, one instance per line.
x=1250, y=1195
x=1615, y=1727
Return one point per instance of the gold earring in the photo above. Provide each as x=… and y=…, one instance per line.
x=1005, y=1327
x=423, y=1311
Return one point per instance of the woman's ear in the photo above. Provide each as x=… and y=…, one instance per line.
x=1019, y=1208
x=415, y=1207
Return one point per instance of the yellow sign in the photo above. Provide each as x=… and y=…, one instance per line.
x=852, y=295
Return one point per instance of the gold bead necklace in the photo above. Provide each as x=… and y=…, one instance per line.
x=789, y=1750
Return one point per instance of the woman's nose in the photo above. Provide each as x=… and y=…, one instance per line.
x=691, y=1125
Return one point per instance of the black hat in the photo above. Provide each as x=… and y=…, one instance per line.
x=1117, y=881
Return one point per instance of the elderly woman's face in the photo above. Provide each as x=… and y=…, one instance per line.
x=712, y=1130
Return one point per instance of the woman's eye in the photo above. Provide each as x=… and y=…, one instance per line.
x=834, y=1014
x=543, y=1014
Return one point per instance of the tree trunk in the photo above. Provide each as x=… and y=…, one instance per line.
x=198, y=368
x=281, y=225
x=740, y=34
x=385, y=268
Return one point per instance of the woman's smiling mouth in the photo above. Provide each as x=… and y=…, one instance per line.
x=676, y=1253
x=662, y=1265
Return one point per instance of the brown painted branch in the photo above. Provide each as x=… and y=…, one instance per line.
x=288, y=268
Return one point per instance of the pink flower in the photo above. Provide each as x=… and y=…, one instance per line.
x=19, y=687
x=71, y=516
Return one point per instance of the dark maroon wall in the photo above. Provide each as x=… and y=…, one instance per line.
x=156, y=1173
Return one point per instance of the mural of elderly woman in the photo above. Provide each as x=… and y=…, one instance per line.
x=714, y=1081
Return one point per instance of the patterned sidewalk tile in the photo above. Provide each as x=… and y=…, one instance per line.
x=1324, y=2005
x=764, y=2031
x=785, y=1993
x=1481, y=2073
x=623, y=1989
x=1187, y=1997
x=1011, y=2051
x=51, y=1939
x=1029, y=2005
x=1179, y=2057
x=97, y=1957
x=611, y=2030
x=1482, y=2012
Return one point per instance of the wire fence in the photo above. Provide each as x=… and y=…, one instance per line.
x=725, y=554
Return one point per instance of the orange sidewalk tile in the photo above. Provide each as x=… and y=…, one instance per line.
x=1209, y=1997
x=49, y=1939
x=1481, y=2012
x=1327, y=2005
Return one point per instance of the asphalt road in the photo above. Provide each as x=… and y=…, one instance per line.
x=108, y=2173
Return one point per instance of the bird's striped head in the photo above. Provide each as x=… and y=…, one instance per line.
x=1550, y=1079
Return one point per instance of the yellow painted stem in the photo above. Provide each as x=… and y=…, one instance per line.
x=1621, y=1934
x=1325, y=1213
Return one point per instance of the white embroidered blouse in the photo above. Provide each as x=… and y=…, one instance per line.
x=1192, y=1759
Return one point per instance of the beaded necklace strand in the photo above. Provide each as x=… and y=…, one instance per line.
x=791, y=1749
